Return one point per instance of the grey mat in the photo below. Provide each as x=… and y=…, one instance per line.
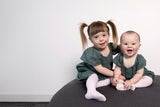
x=72, y=95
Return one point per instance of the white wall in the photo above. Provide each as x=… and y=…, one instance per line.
x=40, y=42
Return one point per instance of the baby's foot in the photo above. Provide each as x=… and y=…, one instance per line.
x=133, y=87
x=120, y=87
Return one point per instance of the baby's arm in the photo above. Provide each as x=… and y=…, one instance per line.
x=128, y=84
x=137, y=76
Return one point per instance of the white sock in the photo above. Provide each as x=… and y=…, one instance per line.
x=133, y=87
x=103, y=83
x=95, y=95
x=92, y=93
x=120, y=86
x=144, y=82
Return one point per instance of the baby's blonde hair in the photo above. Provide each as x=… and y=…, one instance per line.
x=130, y=32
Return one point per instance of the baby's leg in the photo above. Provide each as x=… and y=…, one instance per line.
x=144, y=82
x=103, y=83
x=92, y=93
x=120, y=86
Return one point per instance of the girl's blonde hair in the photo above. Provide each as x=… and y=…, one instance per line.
x=96, y=27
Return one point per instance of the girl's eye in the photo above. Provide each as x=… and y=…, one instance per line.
x=96, y=37
x=125, y=44
x=104, y=35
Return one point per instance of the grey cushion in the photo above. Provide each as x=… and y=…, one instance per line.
x=72, y=95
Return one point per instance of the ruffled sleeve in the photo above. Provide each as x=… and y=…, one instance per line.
x=91, y=56
x=141, y=62
x=118, y=60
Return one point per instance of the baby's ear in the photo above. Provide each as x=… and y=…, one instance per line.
x=139, y=45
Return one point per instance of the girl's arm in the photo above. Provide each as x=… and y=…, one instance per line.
x=117, y=76
x=103, y=70
x=117, y=72
x=107, y=72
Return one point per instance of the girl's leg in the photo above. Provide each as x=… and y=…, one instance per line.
x=144, y=82
x=103, y=83
x=92, y=93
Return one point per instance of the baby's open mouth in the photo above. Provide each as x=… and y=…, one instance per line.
x=129, y=51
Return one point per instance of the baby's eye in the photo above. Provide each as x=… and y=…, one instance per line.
x=104, y=35
x=133, y=43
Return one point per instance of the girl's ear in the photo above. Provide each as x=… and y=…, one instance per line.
x=90, y=39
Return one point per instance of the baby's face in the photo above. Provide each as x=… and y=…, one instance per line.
x=130, y=44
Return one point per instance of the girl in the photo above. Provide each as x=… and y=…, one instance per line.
x=96, y=68
x=131, y=64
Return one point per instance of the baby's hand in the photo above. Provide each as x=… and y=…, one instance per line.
x=128, y=84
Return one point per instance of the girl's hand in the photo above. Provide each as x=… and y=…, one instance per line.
x=128, y=84
x=115, y=81
x=121, y=77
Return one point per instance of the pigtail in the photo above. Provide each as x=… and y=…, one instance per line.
x=114, y=33
x=83, y=36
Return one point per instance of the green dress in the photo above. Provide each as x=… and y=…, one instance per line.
x=140, y=62
x=92, y=57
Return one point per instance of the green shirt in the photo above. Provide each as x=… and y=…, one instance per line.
x=92, y=57
x=140, y=62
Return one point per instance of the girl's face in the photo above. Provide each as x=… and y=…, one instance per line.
x=130, y=44
x=100, y=40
